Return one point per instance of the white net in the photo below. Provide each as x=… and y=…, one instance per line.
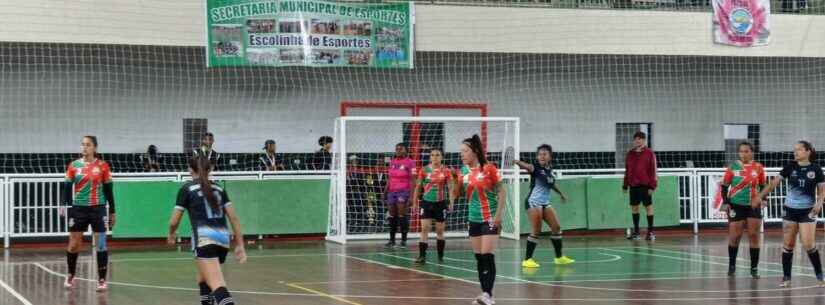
x=358, y=206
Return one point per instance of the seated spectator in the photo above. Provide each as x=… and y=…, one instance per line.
x=151, y=159
x=323, y=157
x=269, y=161
x=207, y=140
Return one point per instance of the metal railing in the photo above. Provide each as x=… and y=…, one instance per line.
x=29, y=203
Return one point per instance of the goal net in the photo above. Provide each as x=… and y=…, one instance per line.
x=365, y=146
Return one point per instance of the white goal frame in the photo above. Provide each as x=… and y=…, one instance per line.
x=337, y=219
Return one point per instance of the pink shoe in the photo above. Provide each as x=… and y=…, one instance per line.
x=69, y=282
x=101, y=285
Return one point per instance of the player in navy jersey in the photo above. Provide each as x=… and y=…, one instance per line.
x=806, y=188
x=208, y=207
x=538, y=205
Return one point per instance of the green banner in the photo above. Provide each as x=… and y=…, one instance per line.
x=309, y=33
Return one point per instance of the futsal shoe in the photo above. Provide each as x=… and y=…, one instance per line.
x=731, y=270
x=529, y=271
x=389, y=245
x=633, y=236
x=564, y=260
x=755, y=273
x=530, y=263
x=402, y=245
x=786, y=282
x=484, y=299
x=69, y=282
x=820, y=280
x=101, y=285
x=650, y=236
x=421, y=260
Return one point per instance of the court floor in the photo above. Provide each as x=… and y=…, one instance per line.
x=674, y=269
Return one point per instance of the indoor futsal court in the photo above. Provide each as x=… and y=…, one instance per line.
x=676, y=270
x=406, y=152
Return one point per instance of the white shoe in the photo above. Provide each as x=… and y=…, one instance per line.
x=69, y=282
x=485, y=299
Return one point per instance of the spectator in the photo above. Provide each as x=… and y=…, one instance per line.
x=206, y=150
x=323, y=157
x=640, y=178
x=269, y=161
x=151, y=160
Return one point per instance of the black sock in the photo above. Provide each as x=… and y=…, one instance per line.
x=404, y=223
x=221, y=296
x=480, y=265
x=813, y=254
x=635, y=223
x=393, y=228
x=649, y=223
x=71, y=262
x=440, y=243
x=787, y=262
x=205, y=291
x=733, y=252
x=532, y=242
x=102, y=264
x=754, y=258
x=422, y=249
x=556, y=240
x=491, y=274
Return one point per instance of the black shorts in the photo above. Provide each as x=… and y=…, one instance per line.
x=484, y=228
x=640, y=195
x=212, y=252
x=81, y=217
x=797, y=215
x=434, y=210
x=742, y=212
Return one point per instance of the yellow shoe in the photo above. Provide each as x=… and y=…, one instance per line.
x=530, y=263
x=564, y=260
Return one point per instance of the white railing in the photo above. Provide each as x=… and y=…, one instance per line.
x=29, y=203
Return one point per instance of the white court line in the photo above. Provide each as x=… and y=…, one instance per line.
x=725, y=257
x=612, y=258
x=15, y=293
x=60, y=275
x=391, y=266
x=467, y=298
x=694, y=260
x=190, y=258
x=603, y=288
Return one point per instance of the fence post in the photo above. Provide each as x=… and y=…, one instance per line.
x=695, y=198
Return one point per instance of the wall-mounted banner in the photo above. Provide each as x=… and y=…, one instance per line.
x=309, y=33
x=742, y=23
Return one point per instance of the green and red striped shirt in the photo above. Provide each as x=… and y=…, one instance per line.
x=435, y=182
x=88, y=179
x=480, y=188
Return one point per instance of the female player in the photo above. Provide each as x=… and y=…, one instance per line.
x=88, y=183
x=397, y=192
x=434, y=179
x=806, y=190
x=742, y=181
x=538, y=204
x=481, y=184
x=208, y=207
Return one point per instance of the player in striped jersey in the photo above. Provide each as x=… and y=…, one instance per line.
x=542, y=182
x=741, y=184
x=209, y=208
x=434, y=179
x=481, y=185
x=87, y=189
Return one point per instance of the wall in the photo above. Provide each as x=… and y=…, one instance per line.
x=135, y=96
x=440, y=28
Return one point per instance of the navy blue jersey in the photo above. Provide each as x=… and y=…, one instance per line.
x=802, y=184
x=542, y=180
x=208, y=224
